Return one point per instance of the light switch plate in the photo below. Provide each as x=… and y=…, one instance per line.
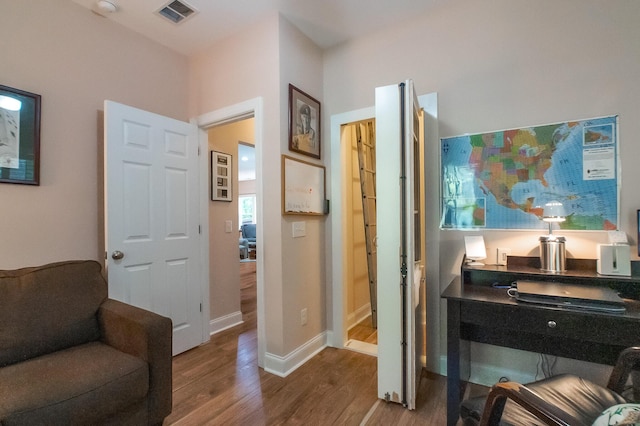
x=227, y=225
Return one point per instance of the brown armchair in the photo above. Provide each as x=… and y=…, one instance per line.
x=70, y=355
x=564, y=400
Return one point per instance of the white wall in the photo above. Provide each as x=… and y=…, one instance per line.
x=75, y=60
x=506, y=64
x=237, y=69
x=260, y=61
x=303, y=259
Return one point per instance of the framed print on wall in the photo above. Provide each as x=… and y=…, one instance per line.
x=221, y=176
x=304, y=123
x=19, y=136
x=303, y=187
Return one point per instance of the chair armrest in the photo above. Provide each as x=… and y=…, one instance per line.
x=145, y=335
x=629, y=359
x=526, y=398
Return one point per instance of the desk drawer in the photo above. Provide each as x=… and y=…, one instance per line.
x=583, y=326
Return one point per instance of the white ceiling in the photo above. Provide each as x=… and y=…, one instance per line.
x=326, y=22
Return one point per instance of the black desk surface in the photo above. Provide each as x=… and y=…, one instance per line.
x=498, y=296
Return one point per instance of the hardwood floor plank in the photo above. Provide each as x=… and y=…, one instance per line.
x=219, y=383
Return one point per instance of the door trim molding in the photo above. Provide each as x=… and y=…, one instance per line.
x=338, y=336
x=249, y=108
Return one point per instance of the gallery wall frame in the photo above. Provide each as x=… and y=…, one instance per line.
x=19, y=136
x=304, y=123
x=303, y=187
x=221, y=176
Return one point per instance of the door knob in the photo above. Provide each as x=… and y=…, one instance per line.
x=117, y=255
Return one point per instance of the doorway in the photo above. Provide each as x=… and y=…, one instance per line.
x=251, y=109
x=358, y=141
x=341, y=219
x=428, y=329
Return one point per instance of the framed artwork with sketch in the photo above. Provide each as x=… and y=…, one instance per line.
x=19, y=136
x=304, y=123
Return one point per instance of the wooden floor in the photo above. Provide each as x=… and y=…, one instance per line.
x=364, y=332
x=219, y=383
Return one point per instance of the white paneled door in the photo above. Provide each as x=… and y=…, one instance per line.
x=152, y=217
x=400, y=247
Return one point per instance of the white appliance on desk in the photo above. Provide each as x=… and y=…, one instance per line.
x=614, y=258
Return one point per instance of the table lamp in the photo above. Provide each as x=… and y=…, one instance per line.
x=552, y=249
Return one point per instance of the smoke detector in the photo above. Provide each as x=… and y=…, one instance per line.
x=106, y=6
x=176, y=11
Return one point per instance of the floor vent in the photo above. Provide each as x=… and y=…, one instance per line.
x=177, y=11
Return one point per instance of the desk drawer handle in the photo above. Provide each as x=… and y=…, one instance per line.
x=552, y=324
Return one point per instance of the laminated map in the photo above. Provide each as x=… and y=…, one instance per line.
x=503, y=179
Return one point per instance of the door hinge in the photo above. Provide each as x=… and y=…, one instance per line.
x=199, y=229
x=201, y=307
x=198, y=150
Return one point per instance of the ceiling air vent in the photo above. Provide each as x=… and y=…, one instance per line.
x=177, y=11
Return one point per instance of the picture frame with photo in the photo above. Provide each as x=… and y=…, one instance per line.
x=19, y=136
x=221, y=177
x=304, y=123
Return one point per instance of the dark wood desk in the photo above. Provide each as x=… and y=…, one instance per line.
x=478, y=312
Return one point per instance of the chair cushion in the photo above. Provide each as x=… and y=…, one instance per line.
x=579, y=397
x=80, y=385
x=249, y=231
x=49, y=308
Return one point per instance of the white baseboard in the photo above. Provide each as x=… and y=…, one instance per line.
x=283, y=366
x=354, y=318
x=217, y=325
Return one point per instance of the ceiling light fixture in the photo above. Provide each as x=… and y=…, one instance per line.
x=106, y=6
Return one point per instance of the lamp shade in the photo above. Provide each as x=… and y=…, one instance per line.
x=554, y=212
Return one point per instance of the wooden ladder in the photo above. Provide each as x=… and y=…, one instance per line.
x=367, y=164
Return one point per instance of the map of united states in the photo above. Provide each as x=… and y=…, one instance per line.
x=503, y=179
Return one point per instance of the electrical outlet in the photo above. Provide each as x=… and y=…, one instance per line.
x=303, y=316
x=502, y=256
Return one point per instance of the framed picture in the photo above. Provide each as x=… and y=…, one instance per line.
x=304, y=123
x=303, y=187
x=221, y=176
x=19, y=136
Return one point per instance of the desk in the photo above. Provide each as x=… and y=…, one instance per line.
x=478, y=312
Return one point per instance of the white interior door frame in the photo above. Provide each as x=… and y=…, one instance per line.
x=338, y=336
x=338, y=333
x=250, y=108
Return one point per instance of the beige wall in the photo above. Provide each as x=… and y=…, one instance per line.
x=75, y=60
x=235, y=70
x=499, y=65
x=358, y=302
x=256, y=63
x=303, y=259
x=495, y=65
